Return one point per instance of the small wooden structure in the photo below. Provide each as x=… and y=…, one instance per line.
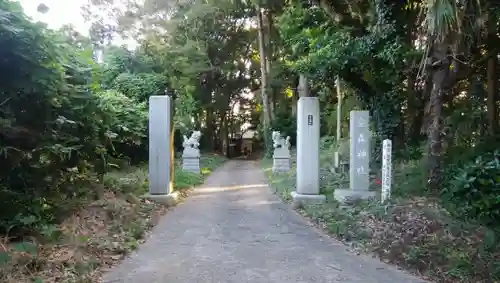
x=247, y=142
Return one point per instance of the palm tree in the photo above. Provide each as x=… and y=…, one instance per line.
x=447, y=29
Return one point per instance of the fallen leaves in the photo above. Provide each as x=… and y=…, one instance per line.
x=417, y=235
x=92, y=239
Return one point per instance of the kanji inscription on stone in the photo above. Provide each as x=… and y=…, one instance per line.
x=359, y=149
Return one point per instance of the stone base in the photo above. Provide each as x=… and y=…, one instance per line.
x=348, y=196
x=191, y=164
x=168, y=200
x=300, y=199
x=281, y=165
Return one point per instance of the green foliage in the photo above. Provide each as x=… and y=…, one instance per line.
x=329, y=114
x=266, y=135
x=475, y=190
x=125, y=121
x=66, y=120
x=139, y=86
x=55, y=128
x=286, y=124
x=282, y=184
x=321, y=50
x=187, y=180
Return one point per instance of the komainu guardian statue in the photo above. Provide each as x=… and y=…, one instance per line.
x=191, y=153
x=281, y=156
x=279, y=141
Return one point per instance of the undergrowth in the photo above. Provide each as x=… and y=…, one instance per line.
x=97, y=234
x=414, y=231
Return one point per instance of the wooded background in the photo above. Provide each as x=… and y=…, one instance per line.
x=73, y=107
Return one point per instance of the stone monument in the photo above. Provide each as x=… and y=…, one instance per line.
x=386, y=170
x=307, y=153
x=359, y=163
x=160, y=150
x=281, y=155
x=191, y=153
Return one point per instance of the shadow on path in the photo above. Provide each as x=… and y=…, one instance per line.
x=232, y=229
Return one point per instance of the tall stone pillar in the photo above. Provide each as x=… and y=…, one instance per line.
x=359, y=164
x=307, y=189
x=160, y=153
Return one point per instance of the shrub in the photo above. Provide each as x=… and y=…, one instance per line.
x=56, y=130
x=475, y=190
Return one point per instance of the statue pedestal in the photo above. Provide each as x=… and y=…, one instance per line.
x=281, y=160
x=191, y=160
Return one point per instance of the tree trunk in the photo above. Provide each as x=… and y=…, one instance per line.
x=303, y=87
x=416, y=130
x=295, y=97
x=210, y=129
x=413, y=104
x=491, y=104
x=264, y=86
x=439, y=76
x=268, y=50
x=223, y=130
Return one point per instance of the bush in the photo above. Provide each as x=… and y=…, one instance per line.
x=139, y=86
x=56, y=130
x=475, y=190
x=126, y=123
x=286, y=124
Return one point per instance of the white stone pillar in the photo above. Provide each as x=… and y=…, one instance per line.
x=359, y=164
x=386, y=170
x=307, y=152
x=159, y=175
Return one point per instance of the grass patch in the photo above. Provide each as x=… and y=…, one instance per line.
x=415, y=233
x=282, y=184
x=98, y=234
x=186, y=180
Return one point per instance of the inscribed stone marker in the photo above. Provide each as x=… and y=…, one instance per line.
x=159, y=145
x=359, y=170
x=359, y=147
x=386, y=170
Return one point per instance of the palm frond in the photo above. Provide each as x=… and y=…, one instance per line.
x=441, y=18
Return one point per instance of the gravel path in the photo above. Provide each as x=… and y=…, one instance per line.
x=232, y=229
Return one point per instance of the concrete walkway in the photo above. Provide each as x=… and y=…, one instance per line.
x=232, y=229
